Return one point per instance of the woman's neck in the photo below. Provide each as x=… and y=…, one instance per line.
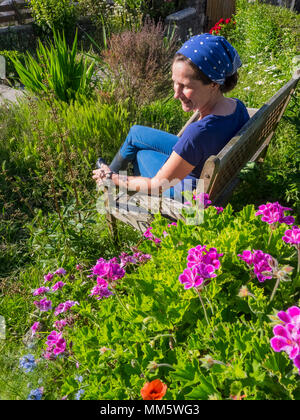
x=218, y=106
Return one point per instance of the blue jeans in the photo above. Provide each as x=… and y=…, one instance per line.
x=149, y=149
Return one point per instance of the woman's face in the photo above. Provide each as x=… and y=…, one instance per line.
x=192, y=93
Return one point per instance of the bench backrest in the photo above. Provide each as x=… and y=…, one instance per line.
x=220, y=172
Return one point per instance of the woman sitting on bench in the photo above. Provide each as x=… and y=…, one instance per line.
x=203, y=69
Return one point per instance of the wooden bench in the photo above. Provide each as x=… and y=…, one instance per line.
x=220, y=173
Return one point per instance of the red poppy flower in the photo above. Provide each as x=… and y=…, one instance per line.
x=154, y=390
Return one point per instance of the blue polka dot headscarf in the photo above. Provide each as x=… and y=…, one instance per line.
x=214, y=56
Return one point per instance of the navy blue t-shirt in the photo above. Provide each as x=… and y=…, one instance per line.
x=208, y=136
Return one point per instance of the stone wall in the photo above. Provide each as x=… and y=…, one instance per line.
x=24, y=37
x=189, y=21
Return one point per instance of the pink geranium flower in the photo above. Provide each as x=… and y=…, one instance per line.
x=292, y=236
x=201, y=254
x=61, y=272
x=59, y=285
x=48, y=277
x=287, y=334
x=35, y=327
x=64, y=307
x=274, y=213
x=261, y=262
x=55, y=344
x=41, y=291
x=44, y=305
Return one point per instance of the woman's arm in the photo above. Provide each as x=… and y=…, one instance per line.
x=173, y=171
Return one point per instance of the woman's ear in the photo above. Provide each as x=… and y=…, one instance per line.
x=214, y=86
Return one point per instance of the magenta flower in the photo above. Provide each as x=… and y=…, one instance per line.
x=114, y=272
x=201, y=254
x=274, y=213
x=56, y=344
x=287, y=335
x=292, y=236
x=59, y=325
x=59, y=285
x=101, y=268
x=190, y=278
x=44, y=305
x=35, y=328
x=101, y=291
x=219, y=209
x=286, y=339
x=291, y=316
x=196, y=276
x=172, y=224
x=48, y=277
x=261, y=262
x=148, y=234
x=40, y=291
x=203, y=199
x=64, y=307
x=61, y=272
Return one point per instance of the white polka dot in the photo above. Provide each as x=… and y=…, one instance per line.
x=195, y=51
x=201, y=43
x=205, y=58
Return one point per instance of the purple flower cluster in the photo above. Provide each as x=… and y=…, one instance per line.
x=274, y=213
x=64, y=307
x=287, y=334
x=136, y=258
x=59, y=272
x=201, y=266
x=109, y=272
x=43, y=305
x=205, y=202
x=149, y=235
x=262, y=263
x=203, y=199
x=55, y=345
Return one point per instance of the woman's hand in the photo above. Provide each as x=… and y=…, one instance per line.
x=102, y=174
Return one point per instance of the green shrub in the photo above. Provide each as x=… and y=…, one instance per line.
x=151, y=327
x=138, y=63
x=54, y=14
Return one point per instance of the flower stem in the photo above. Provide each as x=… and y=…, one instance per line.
x=204, y=310
x=275, y=288
x=120, y=301
x=270, y=235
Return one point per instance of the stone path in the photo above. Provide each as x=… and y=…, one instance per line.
x=9, y=94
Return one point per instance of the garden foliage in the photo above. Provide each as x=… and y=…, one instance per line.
x=53, y=14
x=89, y=317
x=131, y=320
x=57, y=70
